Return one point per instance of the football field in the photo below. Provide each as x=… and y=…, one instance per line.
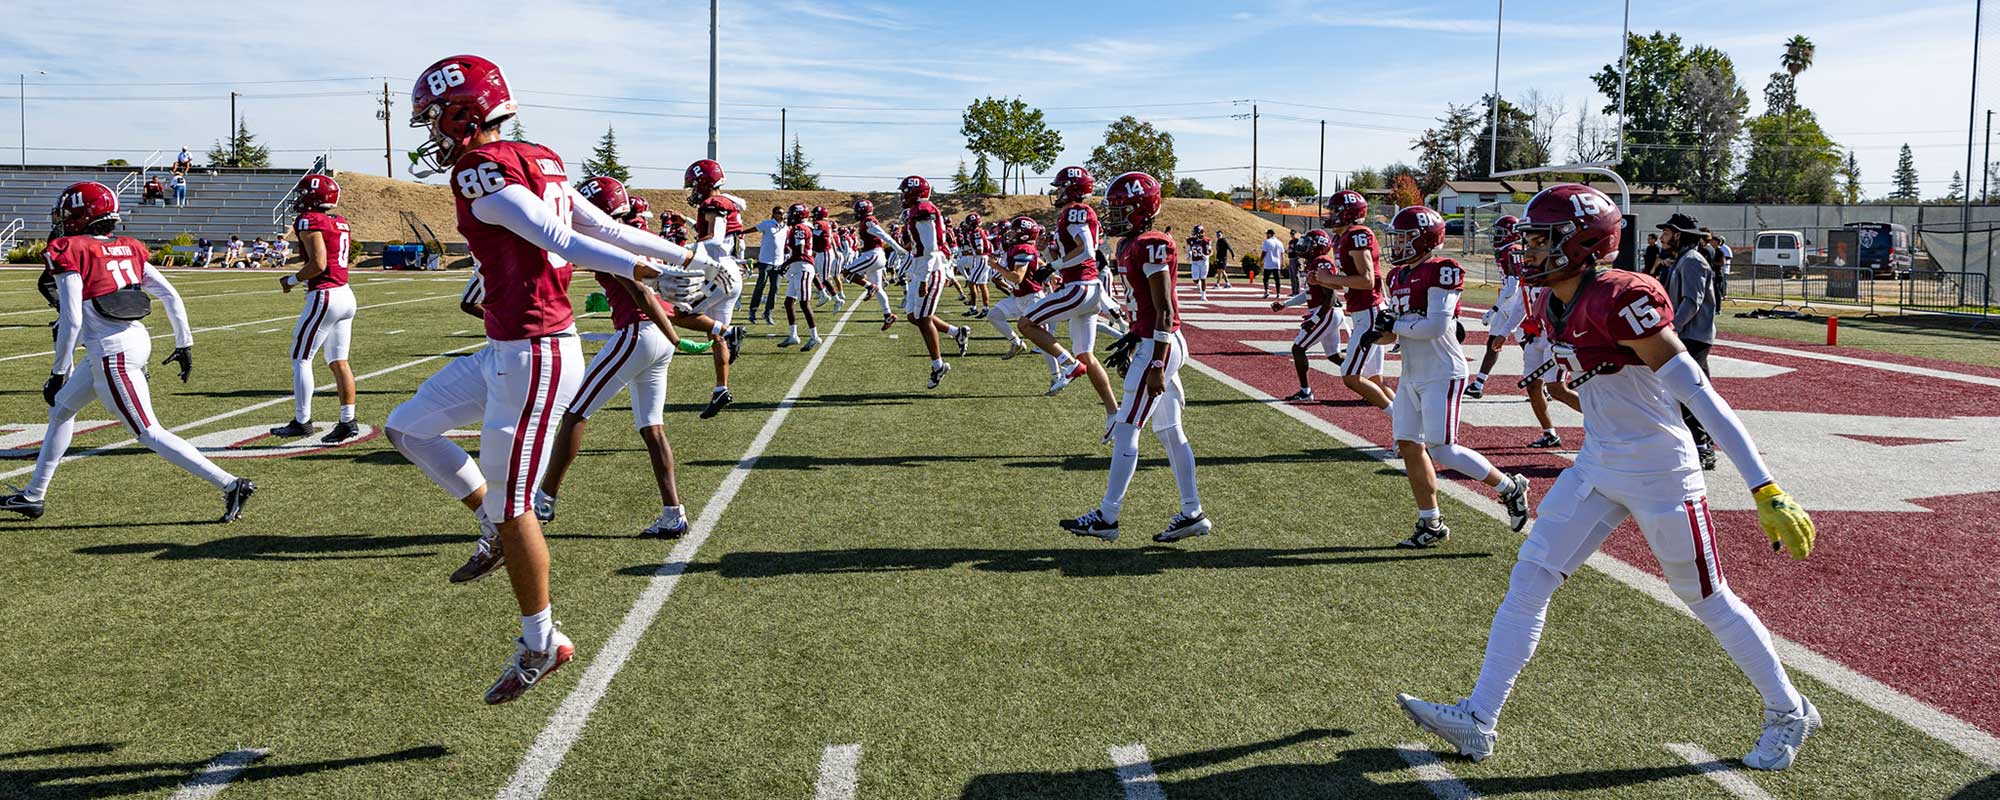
x=875, y=602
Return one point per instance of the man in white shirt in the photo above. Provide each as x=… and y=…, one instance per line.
x=773, y=232
x=1274, y=257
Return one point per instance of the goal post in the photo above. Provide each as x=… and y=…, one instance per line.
x=1628, y=250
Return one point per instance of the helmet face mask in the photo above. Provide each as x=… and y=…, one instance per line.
x=1317, y=243
x=1414, y=234
x=1569, y=228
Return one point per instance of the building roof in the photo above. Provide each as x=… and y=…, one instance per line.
x=1531, y=184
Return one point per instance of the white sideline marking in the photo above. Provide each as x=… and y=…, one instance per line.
x=1435, y=775
x=1977, y=744
x=838, y=772
x=216, y=775
x=270, y=330
x=251, y=322
x=1885, y=366
x=566, y=725
x=244, y=410
x=392, y=333
x=1135, y=772
x=1714, y=769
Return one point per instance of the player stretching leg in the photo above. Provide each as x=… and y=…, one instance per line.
x=1508, y=310
x=1615, y=329
x=102, y=290
x=527, y=228
x=1076, y=301
x=1358, y=257
x=1423, y=298
x=328, y=318
x=718, y=220
x=929, y=269
x=972, y=264
x=1321, y=326
x=1024, y=273
x=866, y=269
x=1148, y=260
x=823, y=259
x=796, y=256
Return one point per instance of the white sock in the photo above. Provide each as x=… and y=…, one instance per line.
x=1055, y=367
x=1427, y=513
x=792, y=330
x=1180, y=456
x=673, y=514
x=347, y=412
x=1510, y=642
x=535, y=630
x=1748, y=643
x=719, y=390
x=936, y=363
x=719, y=330
x=1549, y=431
x=1479, y=379
x=302, y=390
x=1124, y=462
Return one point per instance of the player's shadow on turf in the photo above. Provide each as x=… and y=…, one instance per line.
x=86, y=782
x=1279, y=780
x=285, y=548
x=1083, y=562
x=1069, y=462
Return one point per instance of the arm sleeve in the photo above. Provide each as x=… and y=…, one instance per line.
x=521, y=212
x=884, y=237
x=595, y=224
x=156, y=285
x=1682, y=376
x=1297, y=300
x=1087, y=248
x=69, y=320
x=1433, y=323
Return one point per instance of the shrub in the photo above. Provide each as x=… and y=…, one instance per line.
x=29, y=252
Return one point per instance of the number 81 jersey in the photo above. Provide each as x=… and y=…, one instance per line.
x=1425, y=360
x=1632, y=425
x=527, y=288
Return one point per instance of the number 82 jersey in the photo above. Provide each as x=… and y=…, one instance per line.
x=1632, y=425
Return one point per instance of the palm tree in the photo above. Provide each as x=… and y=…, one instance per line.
x=1798, y=55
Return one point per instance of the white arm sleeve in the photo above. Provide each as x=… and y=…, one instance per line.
x=1682, y=376
x=882, y=235
x=69, y=320
x=1086, y=246
x=591, y=222
x=1433, y=323
x=1297, y=300
x=927, y=236
x=156, y=285
x=521, y=212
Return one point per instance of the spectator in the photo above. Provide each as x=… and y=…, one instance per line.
x=204, y=252
x=1688, y=286
x=260, y=252
x=183, y=162
x=1648, y=262
x=281, y=250
x=769, y=271
x=233, y=257
x=1297, y=252
x=1274, y=255
x=155, y=192
x=1222, y=250
x=180, y=190
x=1724, y=256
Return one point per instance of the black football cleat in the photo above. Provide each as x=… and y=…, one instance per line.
x=20, y=504
x=1707, y=455
x=293, y=430
x=961, y=337
x=1091, y=524
x=1300, y=396
x=1429, y=533
x=342, y=431
x=1185, y=526
x=1549, y=441
x=716, y=401
x=735, y=339
x=937, y=374
x=234, y=497
x=1475, y=390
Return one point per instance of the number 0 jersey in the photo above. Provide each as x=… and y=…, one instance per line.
x=333, y=234
x=1632, y=425
x=527, y=288
x=106, y=264
x=1410, y=294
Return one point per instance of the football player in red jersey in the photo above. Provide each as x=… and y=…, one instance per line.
x=328, y=318
x=1614, y=329
x=103, y=288
x=1505, y=316
x=1023, y=274
x=1198, y=249
x=526, y=227
x=1322, y=323
x=638, y=214
x=823, y=260
x=1077, y=300
x=1358, y=272
x=797, y=260
x=930, y=269
x=869, y=261
x=1149, y=261
x=718, y=221
x=974, y=248
x=1423, y=315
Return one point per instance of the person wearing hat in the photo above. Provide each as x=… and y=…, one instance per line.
x=1689, y=284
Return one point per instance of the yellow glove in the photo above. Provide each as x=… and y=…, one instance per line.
x=1784, y=521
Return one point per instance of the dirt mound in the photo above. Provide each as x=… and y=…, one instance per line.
x=373, y=206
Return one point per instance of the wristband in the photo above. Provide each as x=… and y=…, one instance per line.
x=291, y=280
x=1163, y=337
x=1158, y=364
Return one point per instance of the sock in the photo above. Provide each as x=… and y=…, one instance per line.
x=1510, y=642
x=1743, y=636
x=1479, y=379
x=1055, y=367
x=347, y=412
x=1549, y=431
x=958, y=329
x=1180, y=456
x=673, y=514
x=1427, y=513
x=535, y=630
x=719, y=390
x=302, y=390
x=937, y=363
x=1124, y=462
x=792, y=330
x=719, y=330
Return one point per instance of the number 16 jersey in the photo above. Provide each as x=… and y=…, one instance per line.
x=1632, y=426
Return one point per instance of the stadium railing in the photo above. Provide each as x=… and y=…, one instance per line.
x=1839, y=289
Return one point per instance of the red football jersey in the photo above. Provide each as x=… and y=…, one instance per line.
x=1610, y=307
x=798, y=244
x=624, y=310
x=106, y=263
x=674, y=233
x=1320, y=297
x=925, y=214
x=1079, y=214
x=1198, y=248
x=1353, y=242
x=1026, y=258
x=1134, y=255
x=1410, y=294
x=822, y=232
x=639, y=222
x=527, y=288
x=717, y=206
x=333, y=234
x=866, y=239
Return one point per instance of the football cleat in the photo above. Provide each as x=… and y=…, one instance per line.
x=342, y=431
x=1185, y=526
x=487, y=555
x=810, y=344
x=790, y=340
x=234, y=497
x=1014, y=348
x=293, y=430
x=1091, y=524
x=719, y=398
x=1475, y=390
x=1784, y=733
x=1065, y=378
x=692, y=347
x=528, y=667
x=961, y=337
x=19, y=503
x=735, y=339
x=1300, y=396
x=1455, y=724
x=1428, y=533
x=888, y=321
x=662, y=529
x=1707, y=455
x=545, y=506
x=937, y=374
x=1516, y=502
x=1549, y=441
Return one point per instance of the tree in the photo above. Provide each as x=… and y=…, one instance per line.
x=1404, y=193
x=1594, y=139
x=1851, y=174
x=1712, y=105
x=982, y=176
x=1906, y=177
x=1133, y=146
x=1364, y=179
x=1790, y=161
x=1798, y=55
x=1654, y=136
x=117, y=162
x=1441, y=150
x=1517, y=142
x=604, y=159
x=516, y=133
x=1954, y=192
x=1014, y=133
x=961, y=181
x=794, y=171
x=1189, y=187
x=242, y=151
x=1295, y=186
x=1545, y=118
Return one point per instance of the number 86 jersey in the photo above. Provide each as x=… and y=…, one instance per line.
x=1632, y=425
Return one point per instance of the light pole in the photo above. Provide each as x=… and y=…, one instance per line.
x=711, y=80
x=1971, y=116
x=1493, y=108
x=1985, y=163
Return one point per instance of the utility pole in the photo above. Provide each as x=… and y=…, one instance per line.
x=1971, y=115
x=383, y=114
x=711, y=79
x=1253, y=157
x=782, y=142
x=1493, y=108
x=1986, y=162
x=24, y=119
x=232, y=129
x=1319, y=187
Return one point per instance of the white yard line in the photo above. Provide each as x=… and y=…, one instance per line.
x=270, y=330
x=1963, y=736
x=1714, y=769
x=1135, y=772
x=566, y=725
x=244, y=410
x=216, y=775
x=838, y=772
x=234, y=325
x=1435, y=775
x=1906, y=369
x=392, y=333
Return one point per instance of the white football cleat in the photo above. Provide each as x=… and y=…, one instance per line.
x=1064, y=379
x=529, y=667
x=1516, y=502
x=1778, y=746
x=790, y=341
x=1455, y=724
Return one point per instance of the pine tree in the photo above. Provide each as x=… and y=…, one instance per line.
x=961, y=181
x=242, y=150
x=515, y=133
x=604, y=159
x=1957, y=188
x=982, y=176
x=793, y=171
x=1906, y=177
x=1851, y=173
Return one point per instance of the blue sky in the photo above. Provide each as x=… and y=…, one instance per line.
x=875, y=85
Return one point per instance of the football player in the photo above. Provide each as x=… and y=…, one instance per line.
x=798, y=260
x=1544, y=376
x=1358, y=256
x=1614, y=330
x=103, y=288
x=823, y=259
x=639, y=214
x=930, y=269
x=1076, y=301
x=1423, y=316
x=718, y=223
x=1023, y=275
x=527, y=227
x=1148, y=261
x=1322, y=323
x=866, y=268
x=972, y=264
x=1198, y=249
x=718, y=295
x=1504, y=317
x=328, y=318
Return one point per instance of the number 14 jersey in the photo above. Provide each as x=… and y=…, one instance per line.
x=1632, y=426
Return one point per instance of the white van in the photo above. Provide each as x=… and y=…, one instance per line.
x=1785, y=250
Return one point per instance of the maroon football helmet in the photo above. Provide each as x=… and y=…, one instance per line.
x=640, y=208
x=1132, y=202
x=82, y=206
x=1317, y=242
x=1023, y=230
x=702, y=179
x=316, y=193
x=1073, y=185
x=453, y=99
x=864, y=208
x=819, y=213
x=607, y=194
x=1503, y=230
x=1578, y=228
x=1199, y=230
x=796, y=214
x=915, y=190
x=1346, y=207
x=1413, y=234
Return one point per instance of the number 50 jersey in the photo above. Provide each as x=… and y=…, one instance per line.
x=1632, y=426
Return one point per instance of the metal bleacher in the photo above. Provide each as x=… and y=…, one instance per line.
x=220, y=201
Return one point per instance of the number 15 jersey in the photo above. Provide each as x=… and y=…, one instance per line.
x=1632, y=426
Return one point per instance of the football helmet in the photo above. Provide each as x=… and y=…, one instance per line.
x=1503, y=229
x=1578, y=228
x=971, y=220
x=607, y=194
x=796, y=214
x=82, y=206
x=1023, y=230
x=640, y=208
x=864, y=208
x=702, y=179
x=316, y=193
x=1413, y=234
x=453, y=99
x=1131, y=202
x=1073, y=185
x=915, y=190
x=1199, y=230
x=1317, y=242
x=819, y=213
x=1346, y=207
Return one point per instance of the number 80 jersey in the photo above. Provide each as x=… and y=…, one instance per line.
x=527, y=288
x=1632, y=425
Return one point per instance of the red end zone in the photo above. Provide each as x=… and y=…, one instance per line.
x=1901, y=472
